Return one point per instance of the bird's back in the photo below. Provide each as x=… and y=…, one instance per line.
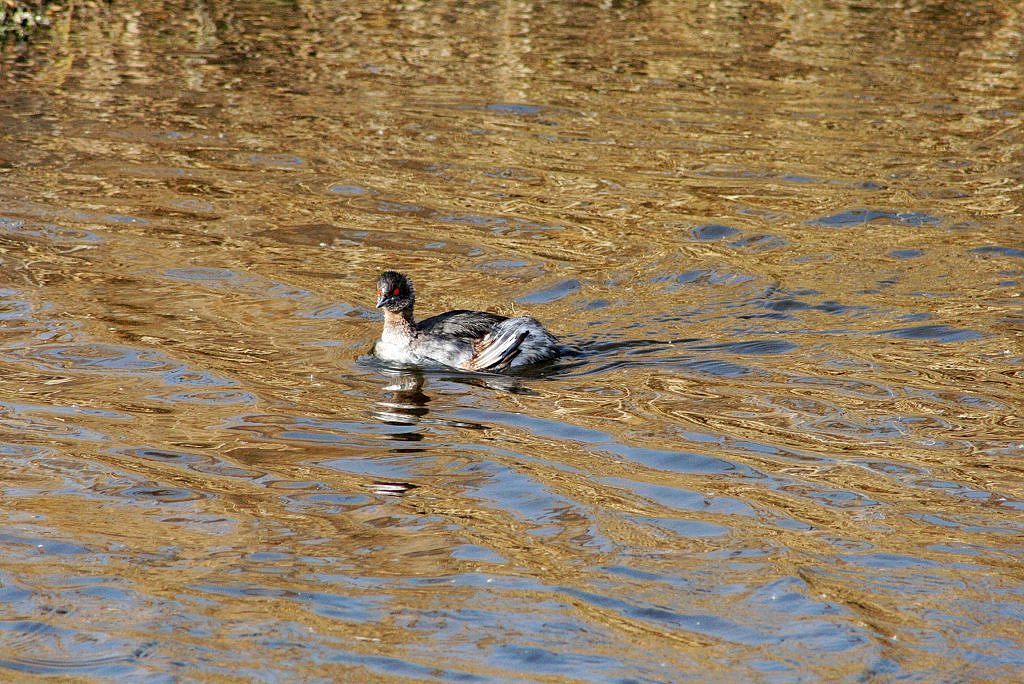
x=468, y=325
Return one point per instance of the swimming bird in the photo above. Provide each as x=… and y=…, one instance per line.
x=467, y=340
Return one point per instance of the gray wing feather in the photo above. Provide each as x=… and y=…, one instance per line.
x=498, y=350
x=514, y=342
x=461, y=323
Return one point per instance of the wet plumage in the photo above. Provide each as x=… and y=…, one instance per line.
x=469, y=340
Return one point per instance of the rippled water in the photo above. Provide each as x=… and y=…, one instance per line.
x=786, y=239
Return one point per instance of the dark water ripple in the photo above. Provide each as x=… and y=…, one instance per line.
x=856, y=217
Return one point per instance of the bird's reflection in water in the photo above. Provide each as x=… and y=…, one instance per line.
x=405, y=402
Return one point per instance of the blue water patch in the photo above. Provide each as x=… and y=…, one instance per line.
x=100, y=357
x=161, y=455
x=710, y=625
x=537, y=426
x=340, y=433
x=196, y=378
x=713, y=231
x=832, y=307
x=190, y=461
x=210, y=397
x=397, y=467
x=18, y=407
x=684, y=527
x=906, y=253
x=551, y=294
x=999, y=250
x=503, y=265
x=856, y=217
x=395, y=667
x=15, y=310
x=514, y=108
x=938, y=333
x=784, y=304
x=225, y=277
x=389, y=207
x=683, y=499
x=22, y=450
x=761, y=242
x=719, y=368
x=702, y=276
x=335, y=310
x=497, y=224
x=48, y=231
x=279, y=160
x=888, y=561
x=681, y=461
x=123, y=218
x=325, y=503
x=751, y=347
x=25, y=419
x=50, y=547
x=343, y=189
x=201, y=274
x=691, y=276
x=477, y=554
x=159, y=493
x=193, y=205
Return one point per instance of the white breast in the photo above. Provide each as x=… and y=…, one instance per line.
x=394, y=346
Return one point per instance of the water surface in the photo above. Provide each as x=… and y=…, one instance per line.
x=787, y=242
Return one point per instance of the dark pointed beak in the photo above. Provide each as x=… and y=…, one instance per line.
x=381, y=299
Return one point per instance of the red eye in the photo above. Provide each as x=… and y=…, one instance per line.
x=395, y=292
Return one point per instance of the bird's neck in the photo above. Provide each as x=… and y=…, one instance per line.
x=398, y=323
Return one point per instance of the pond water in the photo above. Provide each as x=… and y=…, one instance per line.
x=786, y=239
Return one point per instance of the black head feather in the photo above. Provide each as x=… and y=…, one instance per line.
x=395, y=292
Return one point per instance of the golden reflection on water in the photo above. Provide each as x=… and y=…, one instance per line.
x=784, y=238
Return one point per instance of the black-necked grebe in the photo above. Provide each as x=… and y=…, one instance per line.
x=468, y=340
